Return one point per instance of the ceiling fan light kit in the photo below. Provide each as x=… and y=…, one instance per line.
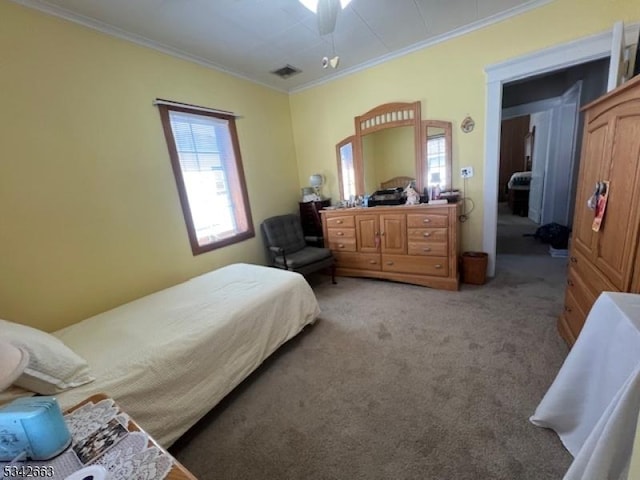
x=313, y=4
x=332, y=62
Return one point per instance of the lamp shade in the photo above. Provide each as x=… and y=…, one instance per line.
x=316, y=180
x=13, y=361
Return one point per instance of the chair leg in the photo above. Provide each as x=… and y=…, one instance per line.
x=333, y=274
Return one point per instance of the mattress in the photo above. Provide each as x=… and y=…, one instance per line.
x=519, y=181
x=171, y=356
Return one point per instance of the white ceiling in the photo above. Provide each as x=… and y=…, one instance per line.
x=251, y=38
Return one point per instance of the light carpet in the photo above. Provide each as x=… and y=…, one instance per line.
x=400, y=382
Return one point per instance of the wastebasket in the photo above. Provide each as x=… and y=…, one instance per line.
x=474, y=267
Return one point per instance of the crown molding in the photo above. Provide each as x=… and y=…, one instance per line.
x=102, y=27
x=458, y=32
x=586, y=49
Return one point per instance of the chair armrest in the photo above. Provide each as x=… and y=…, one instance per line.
x=280, y=251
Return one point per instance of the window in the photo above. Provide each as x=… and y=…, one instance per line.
x=205, y=156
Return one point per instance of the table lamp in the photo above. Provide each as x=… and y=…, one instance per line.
x=13, y=361
x=316, y=180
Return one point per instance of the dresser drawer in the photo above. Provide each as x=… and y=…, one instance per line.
x=340, y=221
x=339, y=234
x=343, y=245
x=592, y=278
x=360, y=261
x=435, y=266
x=427, y=248
x=437, y=235
x=582, y=294
x=427, y=220
x=573, y=314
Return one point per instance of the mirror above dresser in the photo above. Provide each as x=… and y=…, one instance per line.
x=391, y=147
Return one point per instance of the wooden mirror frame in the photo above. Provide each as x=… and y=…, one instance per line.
x=388, y=115
x=339, y=145
x=448, y=133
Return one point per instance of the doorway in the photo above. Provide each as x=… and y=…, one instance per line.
x=539, y=154
x=539, y=63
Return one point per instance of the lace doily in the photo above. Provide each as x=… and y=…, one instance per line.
x=133, y=459
x=130, y=457
x=87, y=419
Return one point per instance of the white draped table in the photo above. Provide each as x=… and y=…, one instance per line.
x=594, y=401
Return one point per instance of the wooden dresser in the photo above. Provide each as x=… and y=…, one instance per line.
x=416, y=244
x=606, y=260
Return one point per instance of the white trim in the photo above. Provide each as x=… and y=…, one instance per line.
x=458, y=32
x=617, y=52
x=544, y=61
x=94, y=24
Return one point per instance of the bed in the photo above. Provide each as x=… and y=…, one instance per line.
x=171, y=356
x=518, y=193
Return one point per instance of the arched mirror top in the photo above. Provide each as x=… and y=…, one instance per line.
x=394, y=151
x=388, y=115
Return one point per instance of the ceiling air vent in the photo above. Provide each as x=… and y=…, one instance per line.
x=286, y=71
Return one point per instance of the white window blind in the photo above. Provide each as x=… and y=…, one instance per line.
x=205, y=152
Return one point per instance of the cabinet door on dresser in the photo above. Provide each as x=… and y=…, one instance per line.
x=393, y=233
x=616, y=241
x=368, y=233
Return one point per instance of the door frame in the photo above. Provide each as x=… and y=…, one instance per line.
x=558, y=57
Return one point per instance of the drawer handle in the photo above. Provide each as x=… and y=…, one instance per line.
x=570, y=282
x=338, y=221
x=426, y=234
x=341, y=245
x=389, y=263
x=426, y=249
x=372, y=262
x=426, y=220
x=340, y=234
x=567, y=308
x=574, y=260
x=438, y=265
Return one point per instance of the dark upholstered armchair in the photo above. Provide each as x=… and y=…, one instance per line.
x=287, y=248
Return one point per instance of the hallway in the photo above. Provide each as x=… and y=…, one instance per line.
x=511, y=231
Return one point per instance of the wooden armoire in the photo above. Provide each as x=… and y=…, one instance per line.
x=607, y=260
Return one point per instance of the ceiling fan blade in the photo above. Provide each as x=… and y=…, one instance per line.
x=327, y=15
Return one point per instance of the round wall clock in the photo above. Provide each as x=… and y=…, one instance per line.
x=467, y=125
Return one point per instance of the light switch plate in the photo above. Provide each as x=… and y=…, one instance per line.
x=466, y=172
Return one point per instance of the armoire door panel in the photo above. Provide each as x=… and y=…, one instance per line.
x=616, y=244
x=367, y=233
x=594, y=151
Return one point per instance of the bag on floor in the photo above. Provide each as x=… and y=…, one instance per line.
x=555, y=234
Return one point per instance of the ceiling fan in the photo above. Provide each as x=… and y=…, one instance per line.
x=327, y=12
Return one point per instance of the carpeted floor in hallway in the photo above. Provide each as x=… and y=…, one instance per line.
x=400, y=382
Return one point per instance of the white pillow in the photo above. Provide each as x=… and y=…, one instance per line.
x=53, y=367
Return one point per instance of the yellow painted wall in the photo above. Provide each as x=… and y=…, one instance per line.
x=89, y=212
x=449, y=80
